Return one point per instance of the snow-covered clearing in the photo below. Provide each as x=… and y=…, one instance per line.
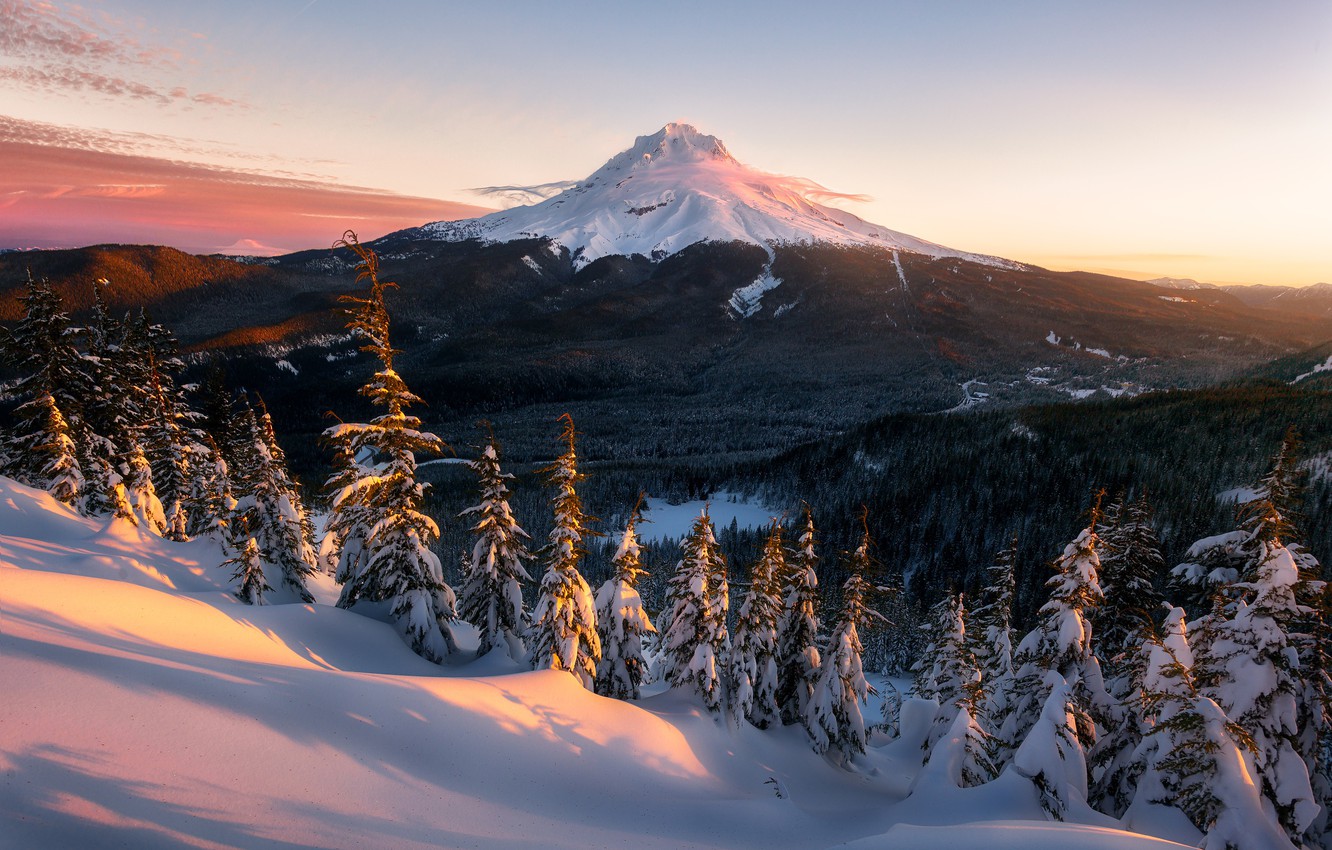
x=662, y=520
x=146, y=707
x=1318, y=367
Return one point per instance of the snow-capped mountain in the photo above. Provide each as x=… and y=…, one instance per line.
x=678, y=187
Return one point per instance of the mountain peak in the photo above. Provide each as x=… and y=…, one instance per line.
x=678, y=143
x=677, y=187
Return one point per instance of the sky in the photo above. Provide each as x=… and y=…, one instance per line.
x=1183, y=139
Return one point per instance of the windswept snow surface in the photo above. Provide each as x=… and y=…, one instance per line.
x=677, y=187
x=145, y=707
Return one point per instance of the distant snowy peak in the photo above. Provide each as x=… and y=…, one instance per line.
x=678, y=187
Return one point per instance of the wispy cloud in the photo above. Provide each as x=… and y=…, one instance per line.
x=66, y=49
x=17, y=130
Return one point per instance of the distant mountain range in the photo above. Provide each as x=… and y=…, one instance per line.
x=680, y=303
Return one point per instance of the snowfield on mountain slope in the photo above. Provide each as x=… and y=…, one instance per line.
x=145, y=707
x=677, y=187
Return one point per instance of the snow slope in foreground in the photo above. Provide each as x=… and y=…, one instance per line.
x=144, y=707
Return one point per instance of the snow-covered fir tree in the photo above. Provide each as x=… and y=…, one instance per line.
x=1052, y=754
x=1114, y=759
x=1131, y=567
x=564, y=621
x=104, y=492
x=1251, y=670
x=211, y=502
x=1249, y=649
x=248, y=571
x=753, y=667
x=622, y=621
x=491, y=597
x=688, y=643
x=42, y=448
x=273, y=514
x=990, y=634
x=1058, y=651
x=719, y=585
x=1194, y=757
x=954, y=681
x=833, y=716
x=949, y=674
x=398, y=566
x=798, y=628
x=342, y=548
x=169, y=447
x=49, y=450
x=140, y=492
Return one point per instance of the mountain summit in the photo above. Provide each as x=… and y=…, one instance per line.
x=675, y=188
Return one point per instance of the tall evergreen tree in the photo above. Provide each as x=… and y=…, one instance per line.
x=798, y=629
x=50, y=451
x=1251, y=671
x=689, y=641
x=753, y=667
x=833, y=716
x=622, y=621
x=273, y=514
x=140, y=492
x=492, y=591
x=248, y=571
x=43, y=444
x=1058, y=651
x=1131, y=567
x=991, y=633
x=1193, y=756
x=398, y=566
x=564, y=628
x=211, y=503
x=169, y=448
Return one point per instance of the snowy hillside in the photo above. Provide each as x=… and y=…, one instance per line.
x=145, y=707
x=677, y=187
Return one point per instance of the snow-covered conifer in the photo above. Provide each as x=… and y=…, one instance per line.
x=990, y=634
x=50, y=450
x=272, y=513
x=798, y=628
x=564, y=622
x=689, y=640
x=622, y=622
x=753, y=668
x=954, y=681
x=1251, y=670
x=1060, y=644
x=1193, y=756
x=248, y=570
x=1131, y=566
x=43, y=445
x=398, y=566
x=140, y=492
x=211, y=502
x=833, y=716
x=1051, y=754
x=491, y=597
x=719, y=585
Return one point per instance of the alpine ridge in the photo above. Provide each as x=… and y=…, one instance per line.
x=675, y=188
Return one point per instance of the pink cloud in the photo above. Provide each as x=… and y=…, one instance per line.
x=64, y=49
x=57, y=195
